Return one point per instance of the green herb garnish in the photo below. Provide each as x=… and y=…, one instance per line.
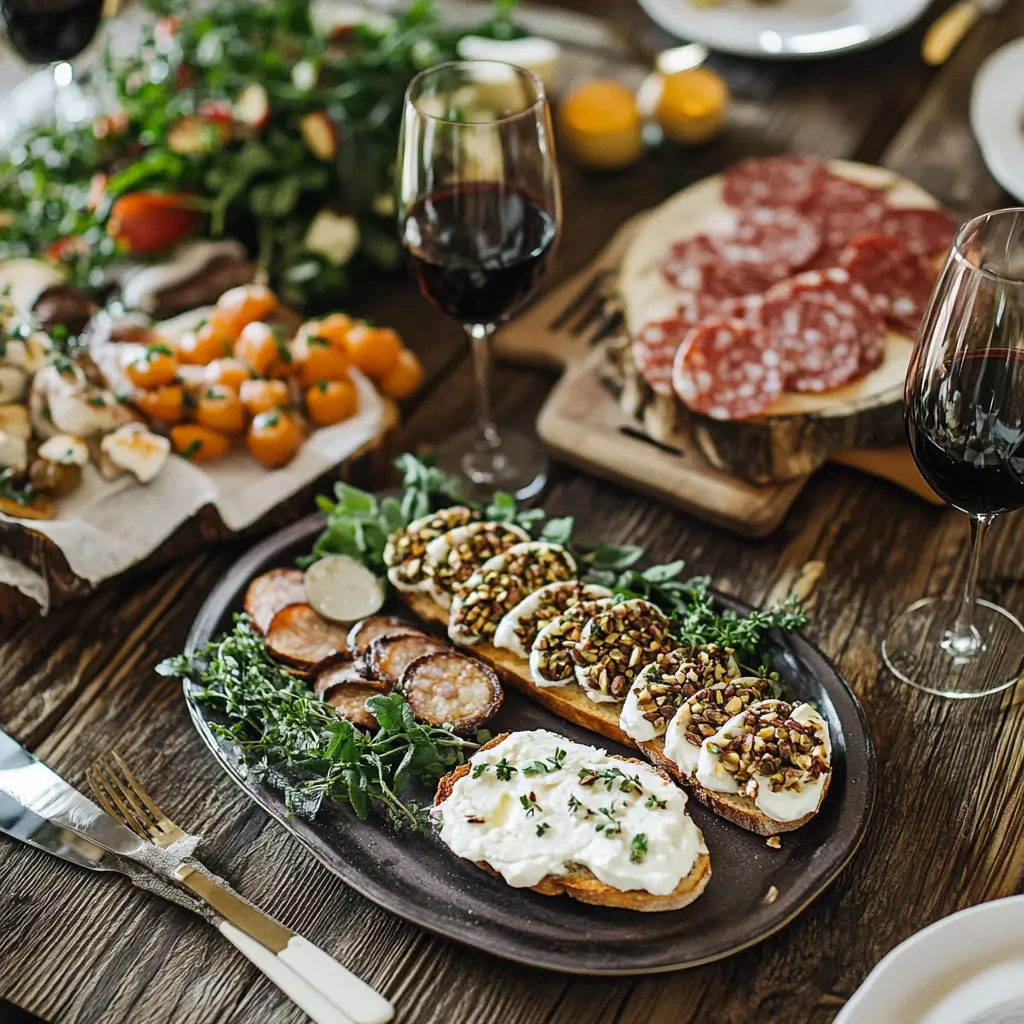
x=551, y=764
x=293, y=740
x=529, y=804
x=652, y=801
x=638, y=848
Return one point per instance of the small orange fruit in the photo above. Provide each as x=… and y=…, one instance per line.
x=331, y=401
x=374, y=350
x=404, y=377
x=274, y=438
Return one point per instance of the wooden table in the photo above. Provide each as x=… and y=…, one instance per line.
x=949, y=826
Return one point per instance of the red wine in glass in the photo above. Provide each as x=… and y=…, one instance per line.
x=969, y=444
x=479, y=214
x=477, y=250
x=48, y=31
x=964, y=415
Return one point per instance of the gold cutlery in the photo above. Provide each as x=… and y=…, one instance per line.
x=950, y=27
x=316, y=982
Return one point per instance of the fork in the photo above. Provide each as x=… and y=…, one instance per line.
x=311, y=978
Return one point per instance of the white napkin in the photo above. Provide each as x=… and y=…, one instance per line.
x=104, y=527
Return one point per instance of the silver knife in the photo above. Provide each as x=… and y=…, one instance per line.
x=38, y=806
x=949, y=28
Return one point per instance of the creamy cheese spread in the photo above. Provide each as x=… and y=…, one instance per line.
x=537, y=804
x=783, y=805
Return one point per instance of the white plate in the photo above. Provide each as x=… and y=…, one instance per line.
x=964, y=969
x=786, y=29
x=997, y=109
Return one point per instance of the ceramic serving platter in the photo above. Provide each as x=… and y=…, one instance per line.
x=417, y=878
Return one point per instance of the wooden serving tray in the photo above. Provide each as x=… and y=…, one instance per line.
x=573, y=327
x=368, y=467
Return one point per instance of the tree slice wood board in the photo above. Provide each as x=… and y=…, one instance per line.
x=588, y=422
x=417, y=878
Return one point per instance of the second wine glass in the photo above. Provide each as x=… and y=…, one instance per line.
x=479, y=216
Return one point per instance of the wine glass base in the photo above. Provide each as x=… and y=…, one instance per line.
x=920, y=652
x=516, y=464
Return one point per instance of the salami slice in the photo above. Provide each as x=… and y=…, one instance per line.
x=926, y=231
x=776, y=241
x=728, y=370
x=680, y=266
x=842, y=208
x=900, y=281
x=773, y=181
x=746, y=308
x=654, y=351
x=823, y=323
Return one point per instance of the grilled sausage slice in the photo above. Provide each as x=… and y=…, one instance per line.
x=299, y=636
x=269, y=593
x=337, y=670
x=348, y=699
x=448, y=688
x=363, y=633
x=389, y=656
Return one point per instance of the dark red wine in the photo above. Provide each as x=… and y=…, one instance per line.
x=477, y=250
x=44, y=31
x=968, y=436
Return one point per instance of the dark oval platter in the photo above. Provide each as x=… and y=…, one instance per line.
x=415, y=876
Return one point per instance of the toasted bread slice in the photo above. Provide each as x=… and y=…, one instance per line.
x=572, y=704
x=582, y=884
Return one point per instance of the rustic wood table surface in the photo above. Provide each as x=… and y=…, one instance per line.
x=949, y=826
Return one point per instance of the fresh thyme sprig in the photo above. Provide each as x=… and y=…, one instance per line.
x=293, y=740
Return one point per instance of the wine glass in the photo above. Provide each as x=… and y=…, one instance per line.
x=479, y=215
x=53, y=32
x=965, y=424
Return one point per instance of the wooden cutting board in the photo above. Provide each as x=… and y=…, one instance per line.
x=583, y=424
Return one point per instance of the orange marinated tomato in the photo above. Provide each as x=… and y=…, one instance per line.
x=155, y=367
x=334, y=328
x=199, y=443
x=316, y=360
x=331, y=401
x=373, y=349
x=404, y=377
x=274, y=438
x=243, y=305
x=204, y=345
x=221, y=409
x=166, y=403
x=262, y=349
x=230, y=372
x=264, y=395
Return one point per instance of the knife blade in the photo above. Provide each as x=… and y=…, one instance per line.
x=43, y=796
x=946, y=32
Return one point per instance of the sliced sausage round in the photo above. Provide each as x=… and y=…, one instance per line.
x=448, y=688
x=335, y=671
x=364, y=632
x=269, y=593
x=349, y=699
x=389, y=656
x=772, y=181
x=299, y=636
x=728, y=370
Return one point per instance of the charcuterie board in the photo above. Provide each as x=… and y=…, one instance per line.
x=592, y=420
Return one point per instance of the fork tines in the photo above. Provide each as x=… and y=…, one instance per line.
x=120, y=795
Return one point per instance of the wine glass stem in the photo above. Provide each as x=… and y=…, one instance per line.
x=480, y=334
x=963, y=639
